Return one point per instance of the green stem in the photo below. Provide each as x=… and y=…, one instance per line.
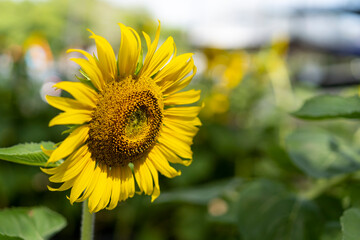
x=87, y=222
x=322, y=185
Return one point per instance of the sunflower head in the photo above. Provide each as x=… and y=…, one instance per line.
x=126, y=123
x=129, y=120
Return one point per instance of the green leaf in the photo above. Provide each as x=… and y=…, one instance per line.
x=266, y=210
x=321, y=154
x=28, y=154
x=329, y=106
x=350, y=222
x=202, y=194
x=30, y=223
x=3, y=237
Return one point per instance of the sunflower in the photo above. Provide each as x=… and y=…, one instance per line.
x=128, y=121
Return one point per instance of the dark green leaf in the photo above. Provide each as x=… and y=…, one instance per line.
x=27, y=153
x=3, y=237
x=321, y=154
x=30, y=223
x=332, y=231
x=350, y=222
x=329, y=106
x=267, y=211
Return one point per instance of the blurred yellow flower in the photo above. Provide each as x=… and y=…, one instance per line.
x=235, y=70
x=216, y=103
x=227, y=67
x=129, y=118
x=270, y=64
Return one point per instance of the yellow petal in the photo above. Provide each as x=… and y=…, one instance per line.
x=183, y=125
x=161, y=164
x=171, y=156
x=70, y=168
x=105, y=196
x=178, y=85
x=96, y=195
x=64, y=186
x=115, y=193
x=71, y=117
x=70, y=144
x=188, y=113
x=50, y=171
x=151, y=48
x=93, y=72
x=174, y=69
x=178, y=146
x=46, y=151
x=91, y=186
x=130, y=183
x=82, y=93
x=183, y=120
x=123, y=190
x=159, y=59
x=183, y=98
x=67, y=104
x=107, y=60
x=183, y=130
x=86, y=54
x=182, y=136
x=148, y=43
x=127, y=189
x=82, y=182
x=143, y=177
x=184, y=68
x=69, y=162
x=129, y=51
x=155, y=176
x=186, y=139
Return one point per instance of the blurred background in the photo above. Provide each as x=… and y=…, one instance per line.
x=257, y=61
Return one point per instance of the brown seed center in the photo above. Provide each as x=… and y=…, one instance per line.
x=126, y=122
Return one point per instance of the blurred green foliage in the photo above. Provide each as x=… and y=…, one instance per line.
x=30, y=223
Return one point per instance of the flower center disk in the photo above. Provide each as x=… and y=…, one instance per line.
x=126, y=122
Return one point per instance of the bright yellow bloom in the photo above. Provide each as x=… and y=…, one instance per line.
x=129, y=120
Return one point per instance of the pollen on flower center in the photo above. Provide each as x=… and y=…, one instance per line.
x=126, y=122
x=136, y=124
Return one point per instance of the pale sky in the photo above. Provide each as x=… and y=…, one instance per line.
x=189, y=12
x=234, y=23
